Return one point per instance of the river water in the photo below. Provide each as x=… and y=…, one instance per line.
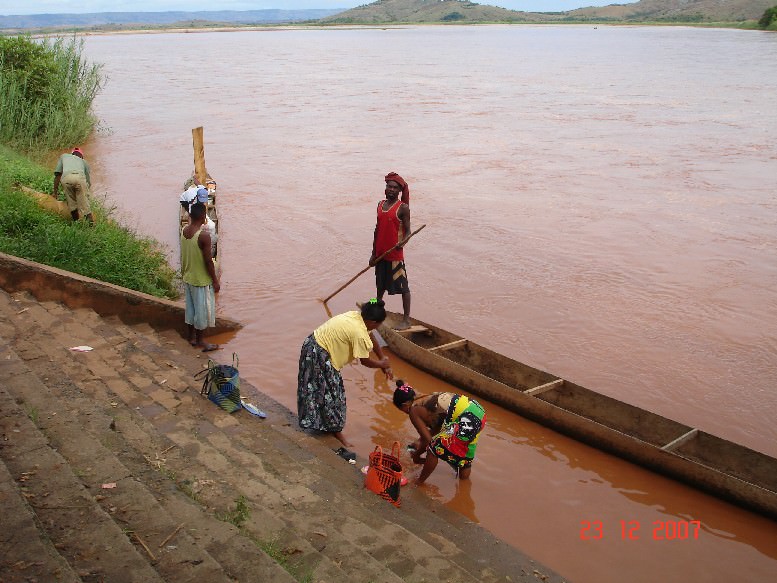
x=600, y=202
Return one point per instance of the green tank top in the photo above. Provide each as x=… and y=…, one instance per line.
x=192, y=263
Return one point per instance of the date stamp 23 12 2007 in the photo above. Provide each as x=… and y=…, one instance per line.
x=632, y=530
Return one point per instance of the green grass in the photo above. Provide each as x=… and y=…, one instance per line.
x=273, y=549
x=238, y=515
x=46, y=93
x=186, y=486
x=106, y=251
x=32, y=413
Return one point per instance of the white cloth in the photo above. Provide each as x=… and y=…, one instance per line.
x=190, y=194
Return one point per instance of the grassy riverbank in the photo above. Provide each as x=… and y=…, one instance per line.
x=46, y=94
x=106, y=251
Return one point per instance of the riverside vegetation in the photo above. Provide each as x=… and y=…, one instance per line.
x=769, y=19
x=46, y=93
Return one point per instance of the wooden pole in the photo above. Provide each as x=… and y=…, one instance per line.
x=200, y=172
x=350, y=281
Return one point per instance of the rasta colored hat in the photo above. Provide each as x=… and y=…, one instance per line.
x=202, y=195
x=401, y=181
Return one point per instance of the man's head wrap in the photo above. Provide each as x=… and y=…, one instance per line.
x=401, y=181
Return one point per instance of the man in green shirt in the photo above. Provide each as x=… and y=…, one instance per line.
x=200, y=280
x=72, y=172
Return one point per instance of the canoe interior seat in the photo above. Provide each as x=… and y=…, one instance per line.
x=680, y=440
x=449, y=345
x=413, y=329
x=546, y=387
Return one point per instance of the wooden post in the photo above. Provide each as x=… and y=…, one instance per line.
x=200, y=172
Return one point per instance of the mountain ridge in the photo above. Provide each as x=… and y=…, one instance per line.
x=242, y=17
x=403, y=12
x=465, y=11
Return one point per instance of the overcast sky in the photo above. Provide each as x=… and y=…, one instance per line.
x=82, y=6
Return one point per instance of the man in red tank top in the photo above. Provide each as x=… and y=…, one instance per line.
x=393, y=225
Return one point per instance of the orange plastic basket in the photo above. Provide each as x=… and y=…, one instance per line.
x=384, y=474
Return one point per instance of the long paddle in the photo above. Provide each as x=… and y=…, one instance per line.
x=350, y=281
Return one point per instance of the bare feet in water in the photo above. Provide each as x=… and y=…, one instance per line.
x=341, y=438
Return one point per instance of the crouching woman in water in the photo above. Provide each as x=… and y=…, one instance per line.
x=449, y=426
x=320, y=391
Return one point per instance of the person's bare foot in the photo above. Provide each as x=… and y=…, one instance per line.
x=403, y=325
x=341, y=438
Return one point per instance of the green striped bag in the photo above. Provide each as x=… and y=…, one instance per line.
x=221, y=384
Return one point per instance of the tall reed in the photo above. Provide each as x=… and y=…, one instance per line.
x=46, y=93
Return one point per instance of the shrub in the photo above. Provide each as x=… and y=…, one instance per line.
x=28, y=66
x=46, y=93
x=769, y=18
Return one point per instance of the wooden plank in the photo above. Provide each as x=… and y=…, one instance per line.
x=449, y=345
x=681, y=440
x=543, y=388
x=411, y=329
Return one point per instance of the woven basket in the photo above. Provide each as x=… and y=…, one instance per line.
x=384, y=474
x=222, y=384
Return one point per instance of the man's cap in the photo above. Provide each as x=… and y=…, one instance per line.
x=77, y=150
x=202, y=195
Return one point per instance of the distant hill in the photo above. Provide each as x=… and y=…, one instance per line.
x=97, y=19
x=451, y=11
x=401, y=11
x=680, y=10
x=463, y=11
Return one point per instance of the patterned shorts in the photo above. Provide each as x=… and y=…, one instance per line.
x=391, y=276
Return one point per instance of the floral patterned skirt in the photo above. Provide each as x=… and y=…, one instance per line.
x=320, y=391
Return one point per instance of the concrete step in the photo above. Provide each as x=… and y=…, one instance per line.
x=66, y=512
x=83, y=374
x=192, y=432
x=291, y=480
x=132, y=504
x=305, y=505
x=35, y=559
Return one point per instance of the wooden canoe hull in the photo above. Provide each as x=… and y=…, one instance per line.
x=201, y=176
x=717, y=466
x=46, y=201
x=183, y=216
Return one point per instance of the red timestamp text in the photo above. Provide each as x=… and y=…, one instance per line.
x=632, y=530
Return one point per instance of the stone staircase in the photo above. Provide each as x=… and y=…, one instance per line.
x=114, y=469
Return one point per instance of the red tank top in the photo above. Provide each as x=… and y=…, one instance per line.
x=390, y=232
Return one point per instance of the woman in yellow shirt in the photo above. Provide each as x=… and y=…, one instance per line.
x=341, y=339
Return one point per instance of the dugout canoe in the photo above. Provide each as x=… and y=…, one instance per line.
x=717, y=466
x=183, y=216
x=201, y=176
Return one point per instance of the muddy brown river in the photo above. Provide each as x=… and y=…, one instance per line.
x=600, y=203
